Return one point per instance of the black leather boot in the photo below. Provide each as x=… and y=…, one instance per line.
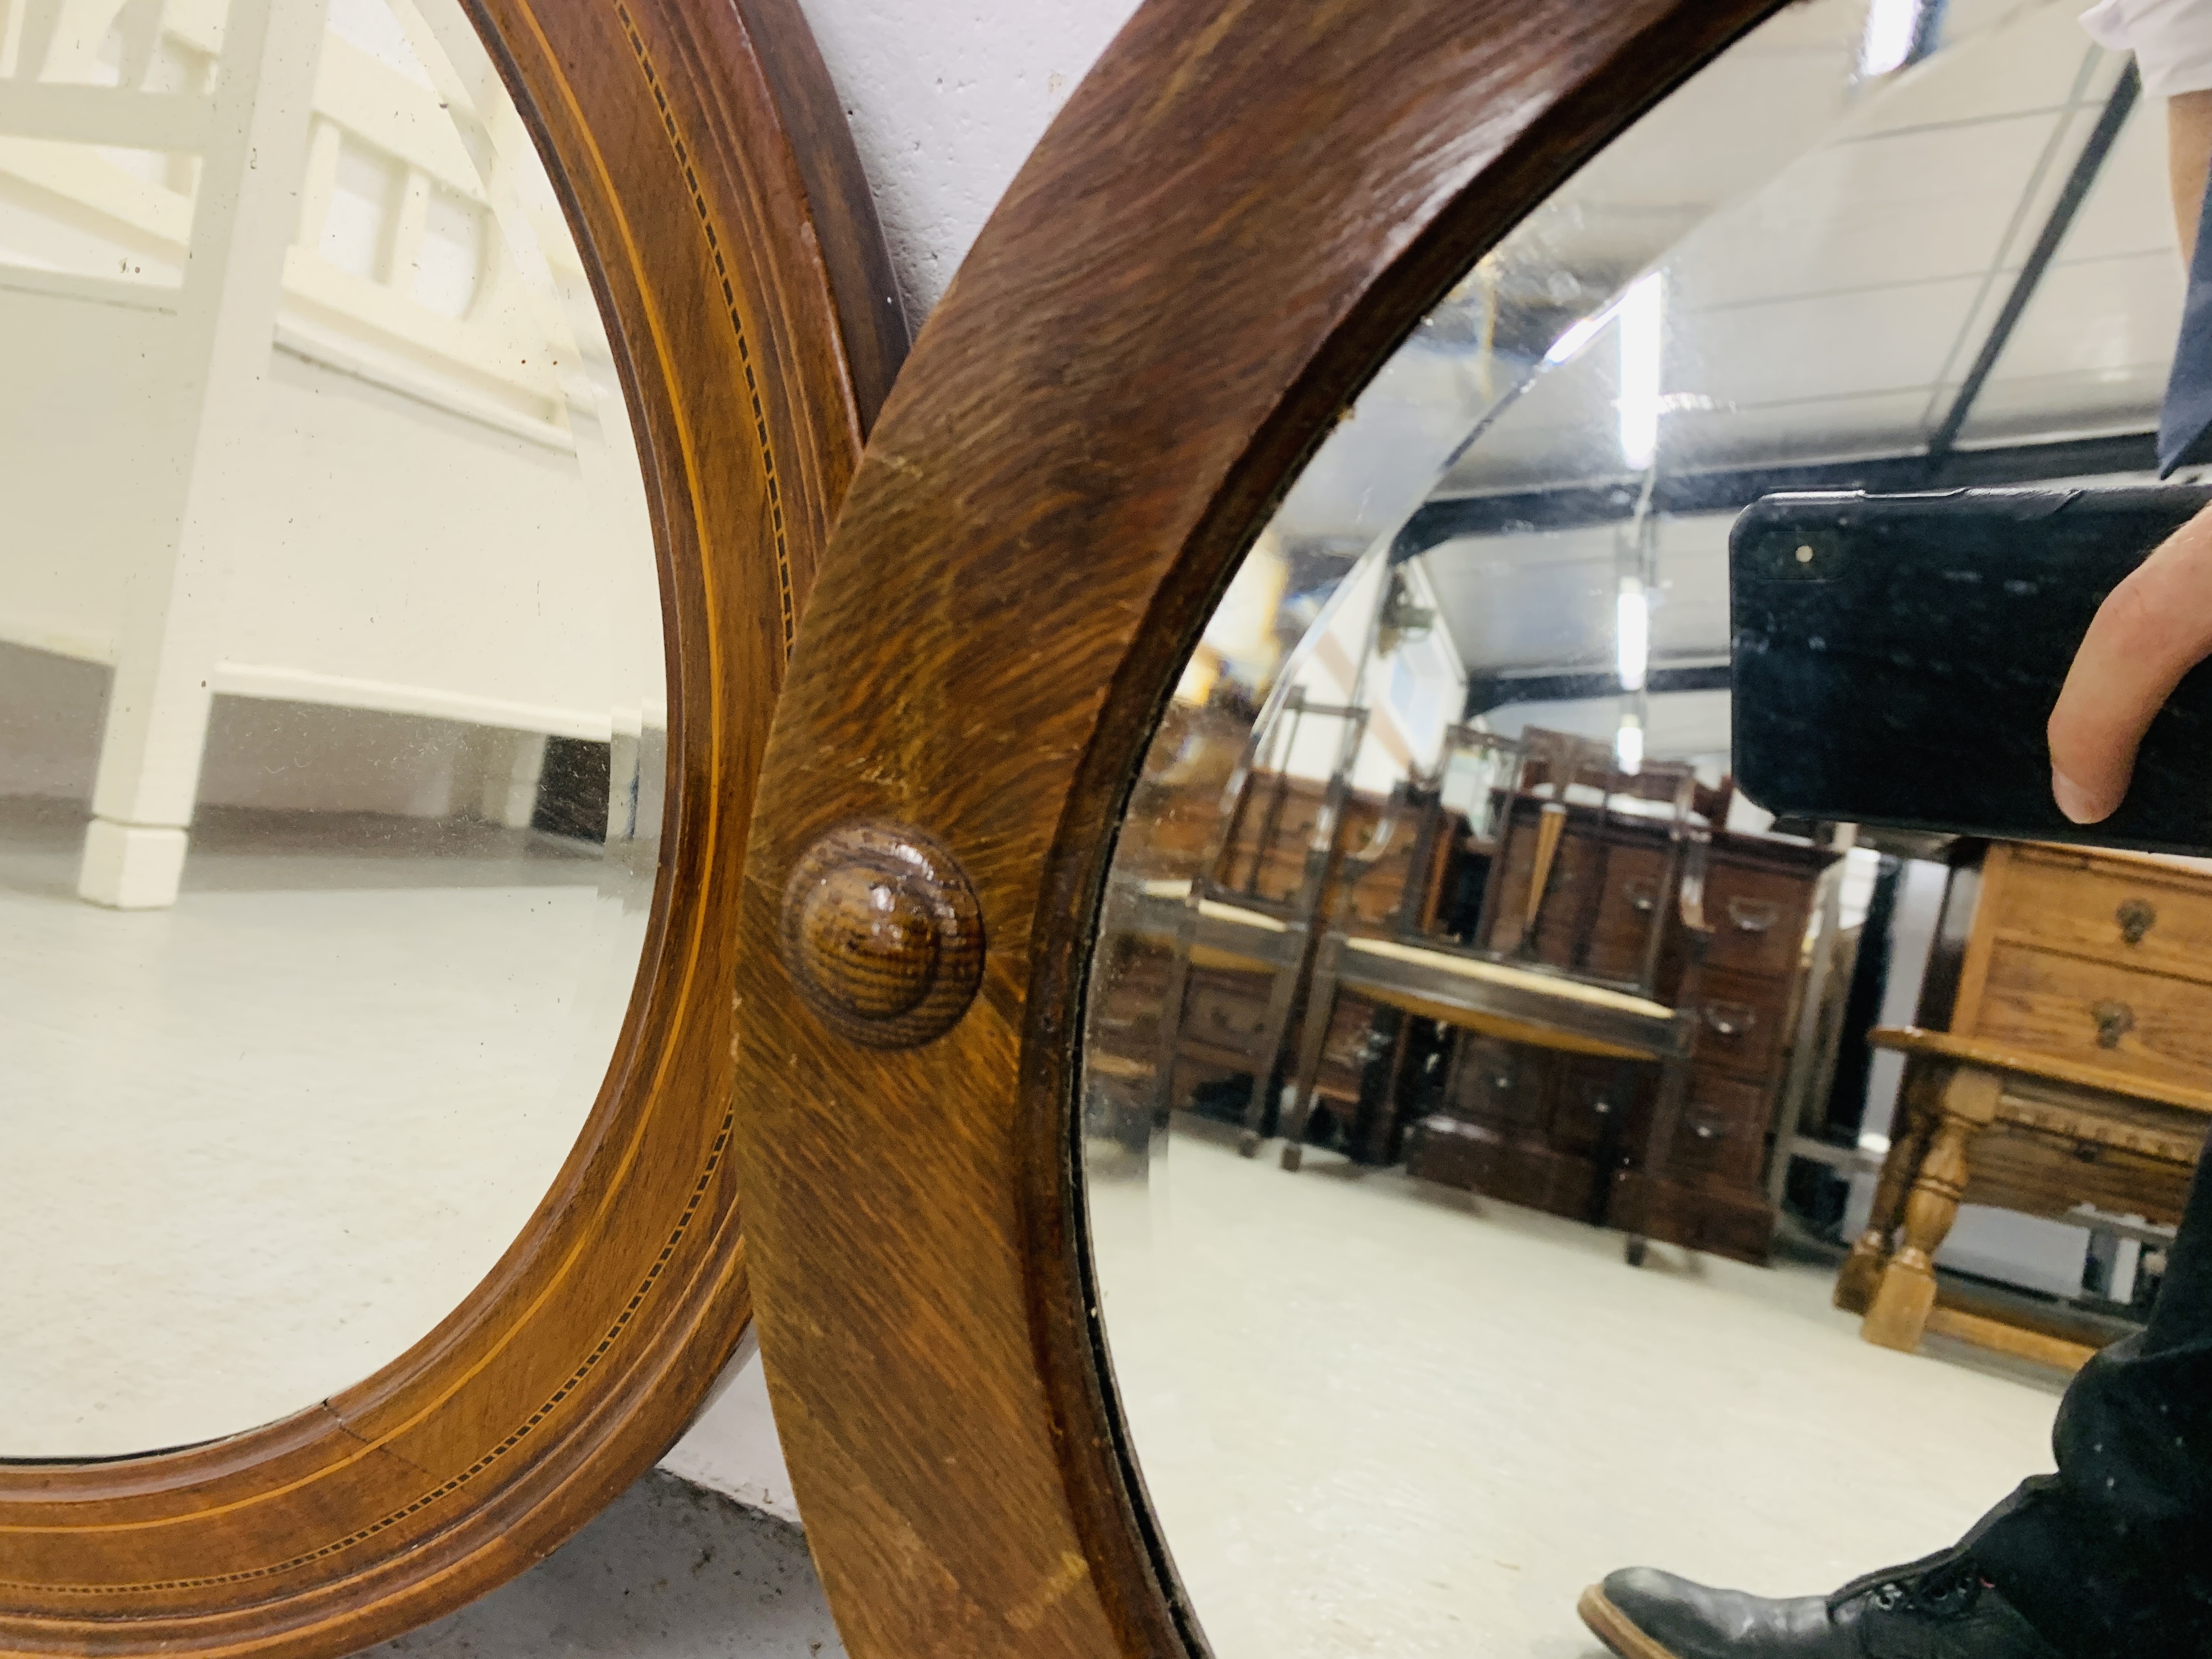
x=1938, y=1608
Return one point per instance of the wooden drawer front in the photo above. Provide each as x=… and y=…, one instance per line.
x=1574, y=869
x=1378, y=901
x=1478, y=1158
x=1371, y=904
x=2019, y=1167
x=1229, y=1010
x=1267, y=852
x=1698, y=1218
x=2105, y=910
x=1595, y=1100
x=1722, y=1137
x=1498, y=1083
x=2121, y=1020
x=1353, y=1041
x=1758, y=917
x=1627, y=912
x=1275, y=878
x=1740, y=1023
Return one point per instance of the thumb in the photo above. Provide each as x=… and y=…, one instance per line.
x=2151, y=628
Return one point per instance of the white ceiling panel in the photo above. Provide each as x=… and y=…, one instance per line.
x=1545, y=598
x=1802, y=429
x=2092, y=349
x=2045, y=407
x=2026, y=57
x=1906, y=208
x=1677, y=725
x=1834, y=345
x=1789, y=81
x=2129, y=210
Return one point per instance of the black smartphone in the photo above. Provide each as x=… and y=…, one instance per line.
x=1895, y=659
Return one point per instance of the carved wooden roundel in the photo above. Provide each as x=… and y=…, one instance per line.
x=883, y=934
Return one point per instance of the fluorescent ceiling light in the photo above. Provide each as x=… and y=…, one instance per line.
x=1893, y=27
x=1628, y=745
x=1631, y=633
x=1577, y=336
x=1642, y=339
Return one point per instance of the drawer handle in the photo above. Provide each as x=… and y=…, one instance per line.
x=1753, y=916
x=1705, y=1131
x=1730, y=1019
x=2136, y=918
x=1642, y=897
x=2114, y=1021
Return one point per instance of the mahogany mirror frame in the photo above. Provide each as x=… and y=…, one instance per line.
x=703, y=162
x=1237, y=216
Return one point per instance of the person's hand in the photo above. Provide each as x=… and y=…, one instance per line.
x=2154, y=628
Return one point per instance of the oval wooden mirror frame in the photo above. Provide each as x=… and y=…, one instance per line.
x=704, y=164
x=1241, y=212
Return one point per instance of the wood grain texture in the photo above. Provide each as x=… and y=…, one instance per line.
x=730, y=238
x=1239, y=213
x=2037, y=1347
x=1912, y=1042
x=882, y=935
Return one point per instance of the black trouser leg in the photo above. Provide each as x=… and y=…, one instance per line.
x=2112, y=1555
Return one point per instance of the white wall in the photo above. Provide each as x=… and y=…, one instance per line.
x=945, y=99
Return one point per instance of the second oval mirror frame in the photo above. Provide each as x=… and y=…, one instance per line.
x=702, y=164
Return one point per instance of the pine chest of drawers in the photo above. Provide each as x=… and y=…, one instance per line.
x=2103, y=959
x=2076, y=1069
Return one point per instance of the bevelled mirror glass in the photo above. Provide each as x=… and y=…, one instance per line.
x=332, y=703
x=1509, y=1153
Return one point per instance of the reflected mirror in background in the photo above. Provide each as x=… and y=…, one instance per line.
x=1443, y=974
x=332, y=703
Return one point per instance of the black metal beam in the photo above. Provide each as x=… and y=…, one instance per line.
x=1571, y=505
x=2086, y=167
x=1490, y=691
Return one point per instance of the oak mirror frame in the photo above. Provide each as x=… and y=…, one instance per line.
x=704, y=166
x=1235, y=219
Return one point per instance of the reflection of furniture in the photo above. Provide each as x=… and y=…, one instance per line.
x=2078, y=1068
x=392, y=1500
x=1538, y=1124
x=1424, y=876
x=1241, y=930
x=340, y=273
x=1555, y=967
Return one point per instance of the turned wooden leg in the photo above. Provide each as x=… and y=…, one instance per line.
x=1901, y=1306
x=1908, y=1148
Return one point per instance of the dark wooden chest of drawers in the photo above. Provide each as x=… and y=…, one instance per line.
x=1566, y=1132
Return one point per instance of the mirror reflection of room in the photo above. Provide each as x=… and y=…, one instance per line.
x=1512, y=1154
x=331, y=702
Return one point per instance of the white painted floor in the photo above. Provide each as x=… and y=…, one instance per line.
x=254, y=1147
x=1380, y=1418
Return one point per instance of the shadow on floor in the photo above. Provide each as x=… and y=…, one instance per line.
x=671, y=1572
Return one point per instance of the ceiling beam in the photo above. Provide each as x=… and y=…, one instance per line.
x=1487, y=691
x=1565, y=506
